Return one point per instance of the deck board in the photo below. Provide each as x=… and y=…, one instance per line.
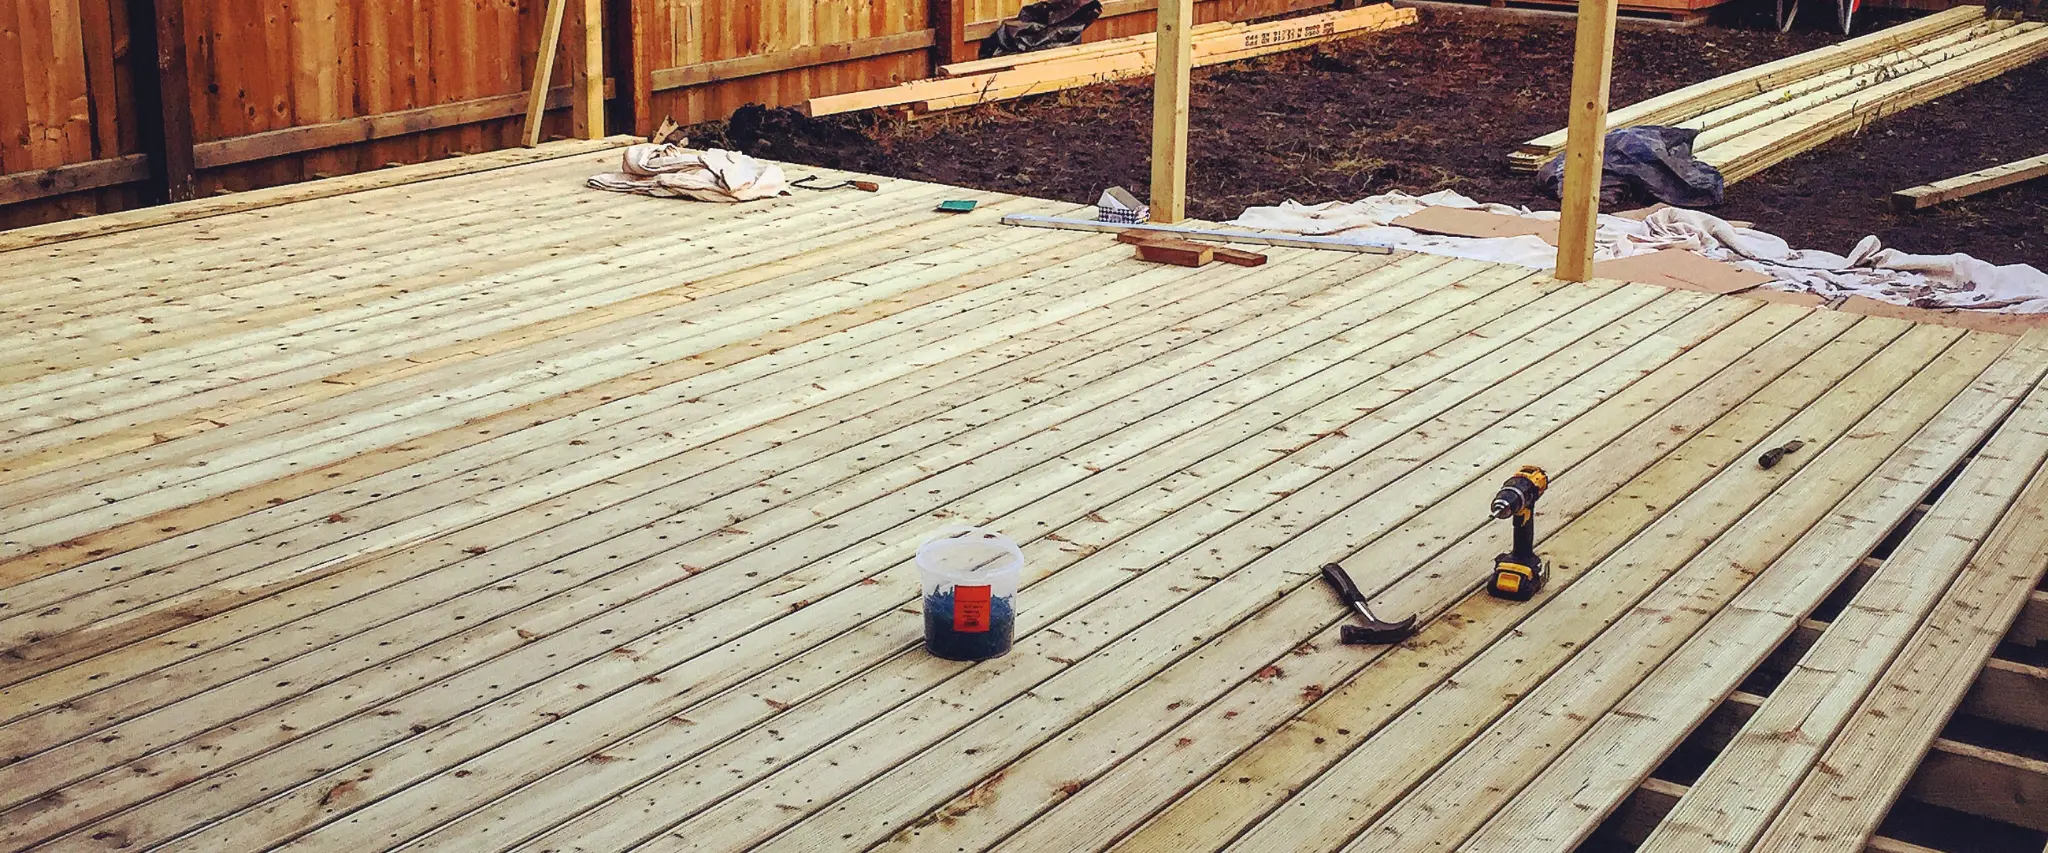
x=491, y=513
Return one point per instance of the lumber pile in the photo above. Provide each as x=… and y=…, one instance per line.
x=1756, y=118
x=1002, y=78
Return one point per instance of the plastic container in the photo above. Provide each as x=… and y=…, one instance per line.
x=970, y=593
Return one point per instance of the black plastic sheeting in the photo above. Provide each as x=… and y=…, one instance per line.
x=1644, y=164
x=1053, y=23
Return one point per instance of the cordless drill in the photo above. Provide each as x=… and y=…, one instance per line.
x=1519, y=574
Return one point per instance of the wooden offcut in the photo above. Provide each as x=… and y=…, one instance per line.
x=1177, y=252
x=1963, y=186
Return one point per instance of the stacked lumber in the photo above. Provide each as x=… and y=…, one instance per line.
x=1754, y=119
x=1003, y=78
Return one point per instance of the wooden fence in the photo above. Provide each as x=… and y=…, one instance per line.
x=123, y=103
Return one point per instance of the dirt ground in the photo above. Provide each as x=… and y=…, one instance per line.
x=1439, y=106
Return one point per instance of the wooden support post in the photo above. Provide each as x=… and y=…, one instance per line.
x=587, y=116
x=1592, y=68
x=543, y=69
x=165, y=96
x=1175, y=51
x=949, y=33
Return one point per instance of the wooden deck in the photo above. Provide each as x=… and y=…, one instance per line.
x=494, y=513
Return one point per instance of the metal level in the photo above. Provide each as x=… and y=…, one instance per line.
x=1028, y=220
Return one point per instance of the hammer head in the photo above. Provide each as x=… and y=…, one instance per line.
x=1377, y=633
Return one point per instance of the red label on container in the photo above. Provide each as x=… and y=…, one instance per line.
x=970, y=609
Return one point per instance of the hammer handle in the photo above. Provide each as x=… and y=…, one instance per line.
x=1341, y=582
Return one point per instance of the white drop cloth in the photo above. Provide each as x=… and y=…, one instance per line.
x=1888, y=275
x=672, y=171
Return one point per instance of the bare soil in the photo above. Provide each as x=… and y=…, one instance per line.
x=1438, y=106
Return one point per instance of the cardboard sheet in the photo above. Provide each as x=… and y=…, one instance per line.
x=1679, y=269
x=1459, y=222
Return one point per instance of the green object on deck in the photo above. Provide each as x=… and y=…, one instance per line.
x=956, y=206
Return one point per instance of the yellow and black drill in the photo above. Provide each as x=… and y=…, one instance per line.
x=1519, y=574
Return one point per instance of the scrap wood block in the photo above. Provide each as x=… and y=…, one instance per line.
x=1239, y=257
x=1177, y=252
x=1225, y=254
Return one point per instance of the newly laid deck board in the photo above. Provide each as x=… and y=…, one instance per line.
x=495, y=513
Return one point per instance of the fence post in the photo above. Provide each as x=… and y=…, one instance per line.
x=157, y=38
x=587, y=106
x=949, y=33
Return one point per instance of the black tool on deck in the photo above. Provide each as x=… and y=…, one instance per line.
x=1519, y=574
x=1375, y=631
x=804, y=183
x=1770, y=458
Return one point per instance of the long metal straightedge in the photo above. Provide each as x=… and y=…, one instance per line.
x=1303, y=242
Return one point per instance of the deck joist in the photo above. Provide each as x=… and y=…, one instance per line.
x=494, y=513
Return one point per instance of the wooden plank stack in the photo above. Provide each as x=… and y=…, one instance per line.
x=1753, y=119
x=1004, y=78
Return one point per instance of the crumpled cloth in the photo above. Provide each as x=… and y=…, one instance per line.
x=1646, y=163
x=1870, y=269
x=1366, y=221
x=673, y=171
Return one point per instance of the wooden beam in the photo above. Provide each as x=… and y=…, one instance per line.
x=72, y=177
x=543, y=69
x=587, y=116
x=1982, y=180
x=2015, y=694
x=313, y=137
x=949, y=25
x=1586, y=137
x=2031, y=628
x=789, y=60
x=164, y=97
x=1176, y=49
x=1984, y=782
